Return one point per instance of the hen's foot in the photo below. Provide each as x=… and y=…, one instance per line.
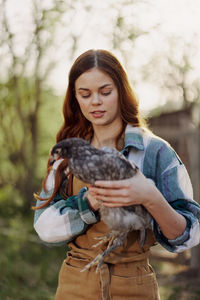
x=103, y=239
x=98, y=261
x=114, y=243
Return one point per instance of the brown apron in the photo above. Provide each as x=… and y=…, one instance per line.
x=125, y=274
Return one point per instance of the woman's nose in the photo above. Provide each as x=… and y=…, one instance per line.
x=96, y=99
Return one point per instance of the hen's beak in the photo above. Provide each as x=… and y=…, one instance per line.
x=55, y=155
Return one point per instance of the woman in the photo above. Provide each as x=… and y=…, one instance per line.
x=100, y=106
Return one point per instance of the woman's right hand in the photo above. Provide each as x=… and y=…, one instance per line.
x=94, y=204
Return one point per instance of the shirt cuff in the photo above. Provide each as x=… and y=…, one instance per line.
x=180, y=240
x=175, y=245
x=86, y=214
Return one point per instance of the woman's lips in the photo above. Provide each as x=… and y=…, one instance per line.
x=98, y=113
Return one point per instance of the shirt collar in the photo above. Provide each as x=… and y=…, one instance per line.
x=133, y=138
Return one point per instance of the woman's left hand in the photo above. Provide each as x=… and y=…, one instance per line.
x=140, y=190
x=132, y=191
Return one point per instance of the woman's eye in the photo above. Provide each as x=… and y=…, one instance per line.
x=106, y=93
x=86, y=96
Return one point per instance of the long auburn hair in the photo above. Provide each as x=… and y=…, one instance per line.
x=76, y=125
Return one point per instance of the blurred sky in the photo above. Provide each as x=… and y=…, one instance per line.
x=163, y=20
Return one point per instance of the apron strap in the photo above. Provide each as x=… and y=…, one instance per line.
x=105, y=282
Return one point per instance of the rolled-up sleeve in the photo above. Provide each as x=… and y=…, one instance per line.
x=62, y=221
x=174, y=183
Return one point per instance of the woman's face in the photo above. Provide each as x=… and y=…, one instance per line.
x=97, y=96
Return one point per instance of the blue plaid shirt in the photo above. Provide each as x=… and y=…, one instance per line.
x=65, y=219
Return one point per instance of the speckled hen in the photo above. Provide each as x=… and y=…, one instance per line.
x=90, y=164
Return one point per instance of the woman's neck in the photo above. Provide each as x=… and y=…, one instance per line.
x=106, y=135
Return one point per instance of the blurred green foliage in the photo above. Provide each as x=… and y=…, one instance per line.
x=30, y=116
x=21, y=172
x=29, y=270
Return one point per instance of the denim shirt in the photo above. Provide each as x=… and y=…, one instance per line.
x=65, y=219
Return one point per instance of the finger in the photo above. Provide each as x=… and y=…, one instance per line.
x=105, y=198
x=108, y=199
x=113, y=184
x=109, y=192
x=114, y=204
x=92, y=193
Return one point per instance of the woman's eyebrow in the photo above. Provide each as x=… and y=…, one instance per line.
x=101, y=87
x=105, y=85
x=84, y=89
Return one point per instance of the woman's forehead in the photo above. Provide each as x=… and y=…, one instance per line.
x=93, y=77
